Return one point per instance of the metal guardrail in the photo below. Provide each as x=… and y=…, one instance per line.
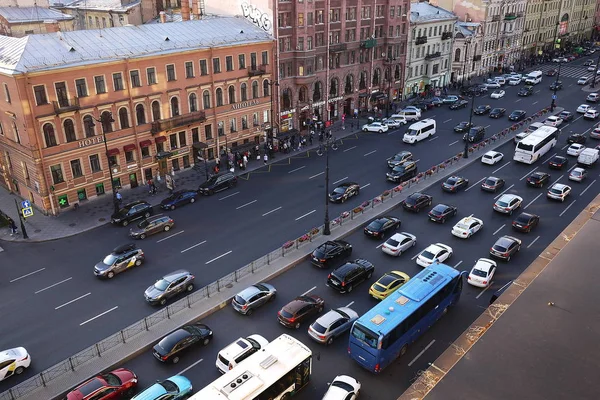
x=123, y=336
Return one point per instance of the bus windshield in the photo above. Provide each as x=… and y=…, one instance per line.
x=365, y=335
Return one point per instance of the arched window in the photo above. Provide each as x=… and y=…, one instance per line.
x=69, y=129
x=397, y=72
x=317, y=91
x=123, y=118
x=376, y=74
x=266, y=91
x=287, y=99
x=255, y=119
x=244, y=92
x=107, y=121
x=457, y=55
x=193, y=102
x=88, y=126
x=333, y=88
x=219, y=97
x=255, y=90
x=206, y=99
x=140, y=114
x=387, y=74
x=231, y=93
x=155, y=110
x=174, y=106
x=349, y=87
x=362, y=84
x=49, y=135
x=302, y=95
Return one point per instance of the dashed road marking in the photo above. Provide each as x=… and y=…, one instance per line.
x=53, y=285
x=26, y=275
x=534, y=240
x=340, y=180
x=421, y=353
x=588, y=186
x=247, y=204
x=98, y=316
x=228, y=196
x=309, y=290
x=369, y=153
x=72, y=301
x=297, y=169
x=221, y=256
x=531, y=202
x=169, y=237
x=307, y=214
x=272, y=211
x=565, y=210
x=498, y=230
x=196, y=245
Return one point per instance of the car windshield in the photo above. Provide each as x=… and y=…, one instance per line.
x=112, y=379
x=462, y=227
x=392, y=242
x=576, y=173
x=347, y=388
x=161, y=284
x=339, y=190
x=169, y=386
x=451, y=181
x=500, y=248
x=556, y=191
x=240, y=300
x=376, y=224
x=399, y=168
x=557, y=159
x=523, y=219
x=386, y=280
x=502, y=203
x=480, y=273
x=110, y=259
x=490, y=182
x=318, y=328
x=428, y=255
x=365, y=335
x=286, y=314
x=438, y=210
x=378, y=287
x=343, y=314
x=411, y=132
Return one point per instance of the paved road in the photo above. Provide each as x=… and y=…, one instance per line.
x=63, y=308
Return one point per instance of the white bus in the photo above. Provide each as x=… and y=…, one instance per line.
x=538, y=143
x=276, y=372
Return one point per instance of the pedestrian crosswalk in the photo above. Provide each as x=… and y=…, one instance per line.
x=567, y=71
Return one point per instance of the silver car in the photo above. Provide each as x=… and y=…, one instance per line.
x=249, y=299
x=508, y=203
x=332, y=324
x=170, y=285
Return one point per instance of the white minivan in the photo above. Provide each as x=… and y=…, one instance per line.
x=239, y=350
x=533, y=78
x=419, y=131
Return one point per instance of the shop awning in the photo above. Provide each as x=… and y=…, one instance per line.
x=146, y=143
x=377, y=96
x=160, y=139
x=113, y=152
x=129, y=147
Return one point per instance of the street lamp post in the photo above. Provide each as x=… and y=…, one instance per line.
x=107, y=118
x=271, y=84
x=466, y=150
x=467, y=42
x=329, y=143
x=553, y=104
x=593, y=85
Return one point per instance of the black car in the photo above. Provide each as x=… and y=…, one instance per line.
x=300, y=309
x=131, y=212
x=382, y=225
x=525, y=91
x=475, y=134
x=497, y=112
x=525, y=222
x=505, y=247
x=558, y=162
x=346, y=277
x=463, y=126
x=217, y=183
x=330, y=253
x=454, y=183
x=172, y=346
x=170, y=285
x=577, y=138
x=538, y=179
x=482, y=109
x=399, y=158
x=417, y=201
x=566, y=116
x=343, y=192
x=492, y=184
x=442, y=212
x=402, y=172
x=517, y=115
x=459, y=104
x=556, y=85
x=179, y=198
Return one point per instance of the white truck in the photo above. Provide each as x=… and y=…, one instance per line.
x=588, y=157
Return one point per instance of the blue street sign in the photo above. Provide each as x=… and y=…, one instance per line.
x=27, y=212
x=553, y=97
x=25, y=204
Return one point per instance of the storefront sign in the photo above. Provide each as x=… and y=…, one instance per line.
x=90, y=141
x=244, y=104
x=305, y=108
x=336, y=99
x=318, y=104
x=287, y=114
x=132, y=166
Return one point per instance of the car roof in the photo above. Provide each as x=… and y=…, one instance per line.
x=559, y=186
x=484, y=264
x=248, y=292
x=508, y=196
x=469, y=219
x=578, y=169
x=171, y=276
x=328, y=318
x=435, y=247
x=492, y=153
x=494, y=178
x=296, y=304
x=399, y=237
x=505, y=240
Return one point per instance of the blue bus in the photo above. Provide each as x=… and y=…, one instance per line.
x=384, y=332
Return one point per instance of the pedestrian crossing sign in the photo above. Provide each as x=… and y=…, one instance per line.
x=27, y=212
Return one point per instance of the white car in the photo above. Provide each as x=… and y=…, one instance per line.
x=582, y=109
x=400, y=119
x=467, y=227
x=514, y=81
x=392, y=123
x=508, y=203
x=375, y=127
x=584, y=80
x=434, y=252
x=482, y=273
x=13, y=362
x=239, y=350
x=554, y=121
x=398, y=243
x=558, y=191
x=492, y=85
x=500, y=80
x=343, y=387
x=496, y=94
x=592, y=68
x=575, y=149
x=492, y=157
x=534, y=127
x=591, y=113
x=577, y=174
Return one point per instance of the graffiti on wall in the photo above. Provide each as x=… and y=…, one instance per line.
x=257, y=17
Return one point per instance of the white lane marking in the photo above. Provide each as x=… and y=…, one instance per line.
x=433, y=138
x=247, y=204
x=448, y=120
x=565, y=210
x=369, y=153
x=415, y=256
x=190, y=367
x=586, y=131
x=475, y=184
x=498, y=230
x=98, y=316
x=309, y=290
x=314, y=176
x=379, y=245
x=498, y=169
x=531, y=202
x=72, y=301
x=559, y=178
x=196, y=245
x=570, y=169
x=534, y=240
x=421, y=353
x=453, y=143
x=432, y=117
x=535, y=102
x=26, y=275
x=221, y=256
x=349, y=148
x=169, y=237
x=297, y=169
x=228, y=196
x=272, y=211
x=529, y=173
x=302, y=216
x=340, y=180
x=483, y=291
x=507, y=189
x=457, y=264
x=54, y=284
x=487, y=126
x=565, y=146
x=349, y=304
x=518, y=100
x=549, y=158
x=364, y=186
x=588, y=186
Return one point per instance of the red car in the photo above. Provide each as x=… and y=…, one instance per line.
x=116, y=384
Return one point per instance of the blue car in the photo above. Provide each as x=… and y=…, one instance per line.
x=179, y=198
x=175, y=388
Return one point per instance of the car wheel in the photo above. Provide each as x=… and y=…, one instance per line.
x=147, y=214
x=19, y=370
x=297, y=326
x=110, y=275
x=349, y=289
x=510, y=212
x=249, y=312
x=172, y=207
x=138, y=262
x=167, y=228
x=443, y=220
x=330, y=340
x=143, y=236
x=429, y=203
x=175, y=360
x=206, y=341
x=125, y=223
x=190, y=287
x=193, y=199
x=365, y=129
x=519, y=248
x=163, y=301
x=380, y=131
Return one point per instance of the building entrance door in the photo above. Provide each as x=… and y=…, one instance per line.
x=133, y=180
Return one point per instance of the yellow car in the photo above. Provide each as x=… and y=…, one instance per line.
x=389, y=282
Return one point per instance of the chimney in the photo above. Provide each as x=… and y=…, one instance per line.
x=51, y=26
x=185, y=10
x=163, y=17
x=195, y=9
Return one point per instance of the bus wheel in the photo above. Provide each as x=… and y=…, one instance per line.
x=403, y=350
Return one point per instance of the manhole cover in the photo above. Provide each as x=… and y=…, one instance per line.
x=37, y=230
x=101, y=219
x=72, y=225
x=229, y=285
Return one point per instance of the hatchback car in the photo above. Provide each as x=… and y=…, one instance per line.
x=454, y=183
x=238, y=351
x=249, y=299
x=517, y=115
x=344, y=191
x=497, y=112
x=217, y=183
x=583, y=108
x=482, y=109
x=538, y=179
x=121, y=259
x=393, y=123
x=450, y=99
x=558, y=162
x=575, y=149
x=170, y=285
x=442, y=212
x=13, y=362
x=131, y=212
x=482, y=273
x=399, y=243
x=332, y=324
x=492, y=184
x=399, y=158
x=525, y=91
x=566, y=116
x=578, y=174
x=417, y=201
x=379, y=127
x=381, y=226
x=171, y=347
x=576, y=138
x=346, y=277
x=331, y=253
x=554, y=121
x=434, y=252
x=402, y=172
x=120, y=383
x=508, y=203
x=584, y=80
x=343, y=387
x=525, y=222
x=491, y=157
x=387, y=284
x=559, y=191
x=179, y=198
x=591, y=114
x=497, y=94
x=463, y=127
x=595, y=133
x=505, y=247
x=151, y=226
x=492, y=85
x=177, y=387
x=592, y=97
x=475, y=134
x=467, y=227
x=298, y=310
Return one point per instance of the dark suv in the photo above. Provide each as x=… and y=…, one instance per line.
x=169, y=286
x=170, y=348
x=216, y=183
x=475, y=134
x=301, y=308
x=417, y=201
x=330, y=253
x=131, y=212
x=121, y=259
x=350, y=274
x=402, y=172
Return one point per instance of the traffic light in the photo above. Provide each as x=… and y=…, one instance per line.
x=557, y=44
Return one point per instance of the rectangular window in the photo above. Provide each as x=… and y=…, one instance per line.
x=189, y=69
x=309, y=19
x=253, y=60
x=300, y=19
x=40, y=95
x=129, y=156
x=319, y=16
x=203, y=67
x=151, y=74
x=170, y=72
x=57, y=174
x=216, y=65
x=392, y=9
x=145, y=151
x=100, y=85
x=135, y=78
x=229, y=63
x=95, y=163
x=173, y=141
x=232, y=125
x=182, y=139
x=309, y=43
x=242, y=61
x=300, y=44
x=208, y=131
x=244, y=122
x=76, y=168
x=118, y=81
x=265, y=58
x=81, y=87
x=195, y=135
x=7, y=93
x=220, y=128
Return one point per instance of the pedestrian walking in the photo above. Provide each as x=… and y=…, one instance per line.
x=151, y=187
x=265, y=158
x=245, y=160
x=12, y=226
x=119, y=197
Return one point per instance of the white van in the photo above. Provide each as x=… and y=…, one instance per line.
x=588, y=157
x=533, y=78
x=409, y=115
x=239, y=350
x=419, y=131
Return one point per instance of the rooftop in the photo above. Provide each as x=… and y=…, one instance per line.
x=68, y=49
x=16, y=15
x=425, y=12
x=467, y=28
x=100, y=5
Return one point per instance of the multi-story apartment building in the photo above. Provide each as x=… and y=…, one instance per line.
x=429, y=63
x=468, y=42
x=130, y=101
x=96, y=14
x=21, y=21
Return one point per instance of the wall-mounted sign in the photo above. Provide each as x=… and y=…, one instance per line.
x=244, y=104
x=90, y=141
x=257, y=17
x=288, y=113
x=335, y=99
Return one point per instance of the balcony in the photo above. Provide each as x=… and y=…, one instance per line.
x=256, y=70
x=66, y=105
x=446, y=35
x=175, y=122
x=368, y=44
x=304, y=79
x=510, y=16
x=477, y=57
x=339, y=47
x=495, y=18
x=421, y=40
x=433, y=56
